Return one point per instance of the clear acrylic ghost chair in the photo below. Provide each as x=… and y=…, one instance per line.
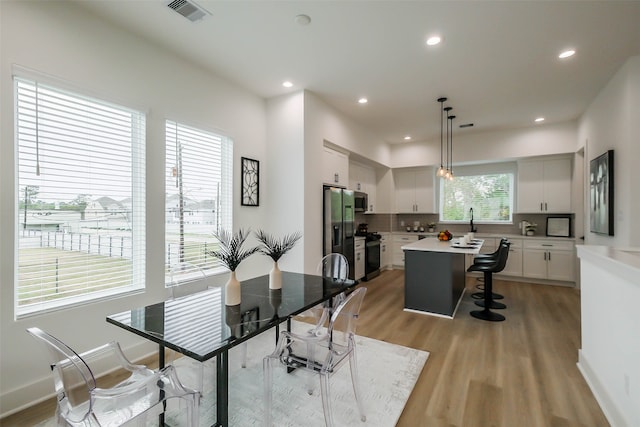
x=336, y=267
x=180, y=275
x=82, y=403
x=320, y=354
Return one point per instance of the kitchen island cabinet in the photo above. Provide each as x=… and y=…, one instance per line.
x=435, y=276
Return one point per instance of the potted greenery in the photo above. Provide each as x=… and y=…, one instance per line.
x=431, y=226
x=531, y=229
x=231, y=254
x=275, y=248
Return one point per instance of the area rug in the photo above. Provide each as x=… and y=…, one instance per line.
x=388, y=373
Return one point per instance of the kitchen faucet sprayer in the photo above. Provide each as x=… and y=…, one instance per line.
x=473, y=228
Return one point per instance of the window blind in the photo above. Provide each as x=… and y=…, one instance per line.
x=80, y=204
x=488, y=189
x=198, y=199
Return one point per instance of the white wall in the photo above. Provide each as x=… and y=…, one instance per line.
x=62, y=41
x=608, y=357
x=478, y=147
x=284, y=184
x=611, y=122
x=324, y=124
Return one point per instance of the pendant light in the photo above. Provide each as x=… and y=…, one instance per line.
x=447, y=171
x=450, y=157
x=441, y=169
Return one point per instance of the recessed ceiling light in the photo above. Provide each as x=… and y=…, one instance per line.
x=302, y=19
x=434, y=40
x=407, y=138
x=287, y=84
x=363, y=100
x=566, y=54
x=540, y=119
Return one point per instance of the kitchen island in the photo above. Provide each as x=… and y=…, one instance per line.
x=434, y=275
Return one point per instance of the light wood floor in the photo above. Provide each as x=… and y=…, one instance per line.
x=521, y=372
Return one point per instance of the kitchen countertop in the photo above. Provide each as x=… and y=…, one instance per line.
x=483, y=235
x=435, y=245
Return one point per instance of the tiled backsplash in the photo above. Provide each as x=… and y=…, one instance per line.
x=393, y=223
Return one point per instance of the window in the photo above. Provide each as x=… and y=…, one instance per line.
x=81, y=202
x=199, y=170
x=488, y=189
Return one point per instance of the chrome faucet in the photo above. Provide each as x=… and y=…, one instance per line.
x=473, y=228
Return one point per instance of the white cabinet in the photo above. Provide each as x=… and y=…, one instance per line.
x=548, y=259
x=544, y=186
x=414, y=190
x=363, y=178
x=386, y=252
x=514, y=261
x=399, y=240
x=335, y=167
x=359, y=258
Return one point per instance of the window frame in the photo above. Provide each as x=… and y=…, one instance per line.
x=224, y=204
x=509, y=168
x=135, y=162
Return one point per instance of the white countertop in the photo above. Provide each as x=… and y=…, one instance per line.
x=623, y=262
x=484, y=235
x=435, y=245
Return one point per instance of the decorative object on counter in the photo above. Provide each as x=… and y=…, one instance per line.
x=275, y=249
x=445, y=235
x=431, y=227
x=250, y=177
x=530, y=229
x=231, y=254
x=601, y=194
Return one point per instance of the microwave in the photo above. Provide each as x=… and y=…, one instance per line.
x=360, y=201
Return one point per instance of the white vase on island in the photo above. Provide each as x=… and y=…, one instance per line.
x=275, y=277
x=232, y=290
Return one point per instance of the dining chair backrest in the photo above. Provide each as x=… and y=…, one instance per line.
x=334, y=266
x=344, y=319
x=73, y=379
x=180, y=274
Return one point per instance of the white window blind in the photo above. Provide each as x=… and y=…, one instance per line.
x=199, y=166
x=81, y=200
x=488, y=189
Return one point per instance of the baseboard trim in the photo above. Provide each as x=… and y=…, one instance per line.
x=608, y=405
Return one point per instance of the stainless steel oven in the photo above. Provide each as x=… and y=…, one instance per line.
x=372, y=256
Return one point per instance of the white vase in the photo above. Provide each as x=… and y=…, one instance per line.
x=275, y=277
x=232, y=290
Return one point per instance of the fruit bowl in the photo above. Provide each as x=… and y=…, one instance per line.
x=445, y=235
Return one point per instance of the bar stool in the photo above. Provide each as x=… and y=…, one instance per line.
x=488, y=269
x=492, y=257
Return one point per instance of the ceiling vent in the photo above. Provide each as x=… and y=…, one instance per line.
x=188, y=9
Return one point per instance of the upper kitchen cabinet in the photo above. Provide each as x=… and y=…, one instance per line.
x=363, y=178
x=544, y=186
x=414, y=190
x=335, y=168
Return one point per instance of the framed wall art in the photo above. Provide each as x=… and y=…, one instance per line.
x=250, y=182
x=601, y=194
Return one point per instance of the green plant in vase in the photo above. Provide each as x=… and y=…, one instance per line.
x=275, y=248
x=231, y=253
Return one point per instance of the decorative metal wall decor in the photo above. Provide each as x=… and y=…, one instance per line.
x=601, y=194
x=250, y=182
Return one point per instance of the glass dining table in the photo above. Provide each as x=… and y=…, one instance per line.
x=201, y=326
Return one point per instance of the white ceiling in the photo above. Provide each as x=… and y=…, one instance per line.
x=498, y=62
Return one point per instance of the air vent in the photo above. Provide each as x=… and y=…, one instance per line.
x=188, y=9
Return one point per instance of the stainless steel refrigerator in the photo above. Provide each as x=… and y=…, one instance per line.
x=338, y=229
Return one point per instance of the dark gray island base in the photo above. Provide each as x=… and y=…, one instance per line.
x=434, y=277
